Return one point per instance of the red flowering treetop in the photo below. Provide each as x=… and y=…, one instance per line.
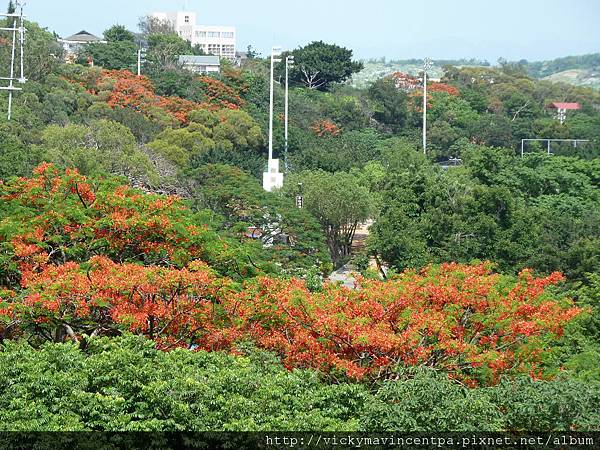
x=465, y=320
x=66, y=217
x=121, y=88
x=81, y=258
x=442, y=87
x=325, y=128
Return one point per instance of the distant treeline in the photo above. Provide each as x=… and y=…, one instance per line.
x=537, y=69
x=438, y=62
x=540, y=69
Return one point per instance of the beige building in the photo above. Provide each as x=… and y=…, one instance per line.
x=212, y=39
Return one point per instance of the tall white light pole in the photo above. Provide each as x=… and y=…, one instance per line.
x=275, y=51
x=272, y=178
x=289, y=63
x=139, y=63
x=427, y=64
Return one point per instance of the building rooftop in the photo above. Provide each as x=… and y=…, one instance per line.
x=205, y=60
x=83, y=36
x=558, y=105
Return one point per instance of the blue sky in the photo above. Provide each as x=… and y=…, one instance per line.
x=513, y=29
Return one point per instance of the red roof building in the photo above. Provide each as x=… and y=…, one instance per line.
x=565, y=106
x=562, y=108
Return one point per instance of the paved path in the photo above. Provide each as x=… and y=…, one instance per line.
x=344, y=275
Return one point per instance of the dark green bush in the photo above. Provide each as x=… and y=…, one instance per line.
x=125, y=384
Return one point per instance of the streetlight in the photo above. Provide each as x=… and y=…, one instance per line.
x=275, y=51
x=140, y=60
x=427, y=65
x=272, y=178
x=289, y=63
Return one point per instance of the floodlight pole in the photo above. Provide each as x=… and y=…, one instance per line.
x=426, y=66
x=272, y=178
x=289, y=62
x=139, y=63
x=274, y=51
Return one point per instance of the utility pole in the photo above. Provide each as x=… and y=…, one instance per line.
x=427, y=64
x=289, y=62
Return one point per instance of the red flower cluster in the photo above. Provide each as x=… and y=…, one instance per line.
x=124, y=260
x=121, y=88
x=457, y=318
x=442, y=87
x=325, y=128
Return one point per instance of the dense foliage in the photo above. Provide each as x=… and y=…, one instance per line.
x=125, y=307
x=125, y=385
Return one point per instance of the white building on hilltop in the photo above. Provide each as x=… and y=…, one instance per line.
x=213, y=40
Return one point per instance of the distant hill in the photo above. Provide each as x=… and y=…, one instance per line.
x=543, y=69
x=582, y=70
x=577, y=77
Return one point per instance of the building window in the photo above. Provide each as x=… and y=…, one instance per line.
x=214, y=34
x=187, y=19
x=200, y=34
x=214, y=49
x=227, y=34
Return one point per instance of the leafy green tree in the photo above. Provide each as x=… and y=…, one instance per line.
x=338, y=202
x=42, y=53
x=229, y=131
x=114, y=55
x=164, y=50
x=118, y=33
x=104, y=147
x=290, y=238
x=16, y=159
x=119, y=52
x=150, y=25
x=389, y=103
x=251, y=53
x=353, y=149
x=517, y=405
x=538, y=212
x=318, y=65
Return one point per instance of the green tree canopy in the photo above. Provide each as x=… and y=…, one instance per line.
x=338, y=202
x=118, y=33
x=318, y=65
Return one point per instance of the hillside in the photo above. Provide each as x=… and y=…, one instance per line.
x=124, y=307
x=541, y=69
x=577, y=77
x=375, y=69
x=581, y=70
